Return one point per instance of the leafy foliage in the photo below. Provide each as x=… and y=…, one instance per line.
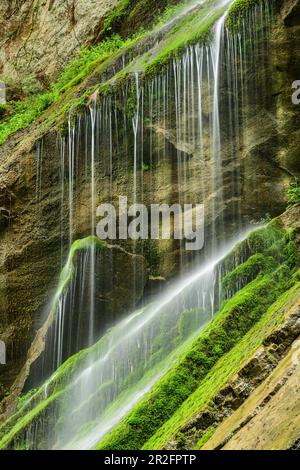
x=294, y=192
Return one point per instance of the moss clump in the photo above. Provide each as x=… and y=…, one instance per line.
x=96, y=59
x=239, y=11
x=294, y=193
x=248, y=271
x=206, y=436
x=232, y=323
x=195, y=27
x=68, y=270
x=39, y=405
x=223, y=372
x=23, y=399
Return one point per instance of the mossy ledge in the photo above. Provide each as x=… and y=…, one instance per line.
x=241, y=8
x=207, y=401
x=38, y=344
x=144, y=426
x=234, y=321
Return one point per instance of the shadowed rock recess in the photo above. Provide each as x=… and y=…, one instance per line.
x=142, y=344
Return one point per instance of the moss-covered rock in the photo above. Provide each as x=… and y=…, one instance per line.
x=144, y=425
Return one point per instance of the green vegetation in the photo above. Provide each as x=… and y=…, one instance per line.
x=294, y=192
x=206, y=436
x=201, y=366
x=20, y=114
x=128, y=13
x=116, y=16
x=195, y=27
x=68, y=92
x=143, y=425
x=238, y=11
x=17, y=115
x=241, y=8
x=68, y=270
x=86, y=60
x=23, y=399
x=248, y=271
x=229, y=365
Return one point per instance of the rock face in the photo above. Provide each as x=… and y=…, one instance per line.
x=38, y=37
x=34, y=247
x=269, y=418
x=32, y=244
x=270, y=152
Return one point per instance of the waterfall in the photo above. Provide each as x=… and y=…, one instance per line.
x=94, y=392
x=217, y=180
x=189, y=91
x=71, y=157
x=93, y=113
x=133, y=355
x=177, y=129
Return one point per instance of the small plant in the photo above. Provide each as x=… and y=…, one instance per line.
x=294, y=192
x=22, y=113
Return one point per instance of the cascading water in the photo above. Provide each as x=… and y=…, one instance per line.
x=88, y=397
x=130, y=358
x=93, y=113
x=175, y=122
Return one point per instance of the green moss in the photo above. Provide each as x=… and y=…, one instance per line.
x=248, y=271
x=156, y=417
x=206, y=436
x=240, y=9
x=116, y=16
x=224, y=370
x=237, y=11
x=25, y=112
x=222, y=334
x=294, y=192
x=39, y=404
x=25, y=420
x=233, y=322
x=31, y=405
x=23, y=399
x=53, y=106
x=47, y=403
x=262, y=239
x=195, y=27
x=90, y=60
x=145, y=13
x=68, y=270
